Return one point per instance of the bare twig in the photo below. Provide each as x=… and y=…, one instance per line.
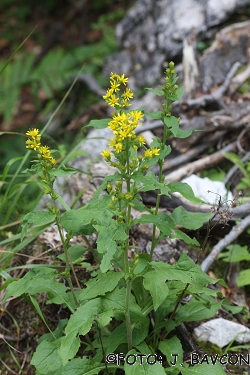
x=201, y=164
x=227, y=240
x=238, y=80
x=234, y=169
x=216, y=95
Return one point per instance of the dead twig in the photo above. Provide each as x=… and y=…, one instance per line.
x=227, y=240
x=201, y=164
x=217, y=94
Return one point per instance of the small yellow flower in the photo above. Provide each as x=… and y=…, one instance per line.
x=127, y=95
x=45, y=152
x=123, y=80
x=105, y=153
x=155, y=151
x=118, y=148
x=33, y=133
x=108, y=94
x=148, y=154
x=141, y=140
x=113, y=101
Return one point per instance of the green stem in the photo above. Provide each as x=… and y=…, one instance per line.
x=126, y=262
x=65, y=249
x=64, y=243
x=127, y=314
x=160, y=179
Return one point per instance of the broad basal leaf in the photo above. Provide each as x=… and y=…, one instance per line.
x=185, y=270
x=80, y=323
x=196, y=310
x=46, y=358
x=100, y=285
x=37, y=218
x=173, y=351
x=157, y=287
x=79, y=221
x=38, y=281
x=204, y=369
x=138, y=365
x=81, y=366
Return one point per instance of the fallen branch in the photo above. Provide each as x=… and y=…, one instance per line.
x=227, y=240
x=201, y=164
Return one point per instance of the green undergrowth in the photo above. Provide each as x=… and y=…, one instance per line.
x=122, y=320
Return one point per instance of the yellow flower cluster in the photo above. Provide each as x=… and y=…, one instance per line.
x=123, y=124
x=114, y=97
x=34, y=143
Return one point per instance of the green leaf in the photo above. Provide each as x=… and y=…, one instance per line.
x=100, y=285
x=185, y=270
x=189, y=220
x=235, y=159
x=133, y=365
x=167, y=226
x=80, y=323
x=82, y=366
x=154, y=115
x=63, y=171
x=150, y=182
x=117, y=337
x=156, y=92
x=172, y=349
x=172, y=123
x=236, y=253
x=157, y=287
x=195, y=310
x=106, y=242
x=99, y=124
x=140, y=331
x=80, y=221
x=75, y=253
x=184, y=133
x=116, y=300
x=37, y=281
x=35, y=168
x=185, y=190
x=204, y=369
x=179, y=92
x=37, y=218
x=46, y=358
x=244, y=278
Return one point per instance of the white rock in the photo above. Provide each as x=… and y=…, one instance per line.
x=201, y=186
x=221, y=332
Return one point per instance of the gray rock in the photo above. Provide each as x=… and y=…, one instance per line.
x=153, y=31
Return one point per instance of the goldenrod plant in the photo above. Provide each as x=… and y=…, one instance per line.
x=124, y=319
